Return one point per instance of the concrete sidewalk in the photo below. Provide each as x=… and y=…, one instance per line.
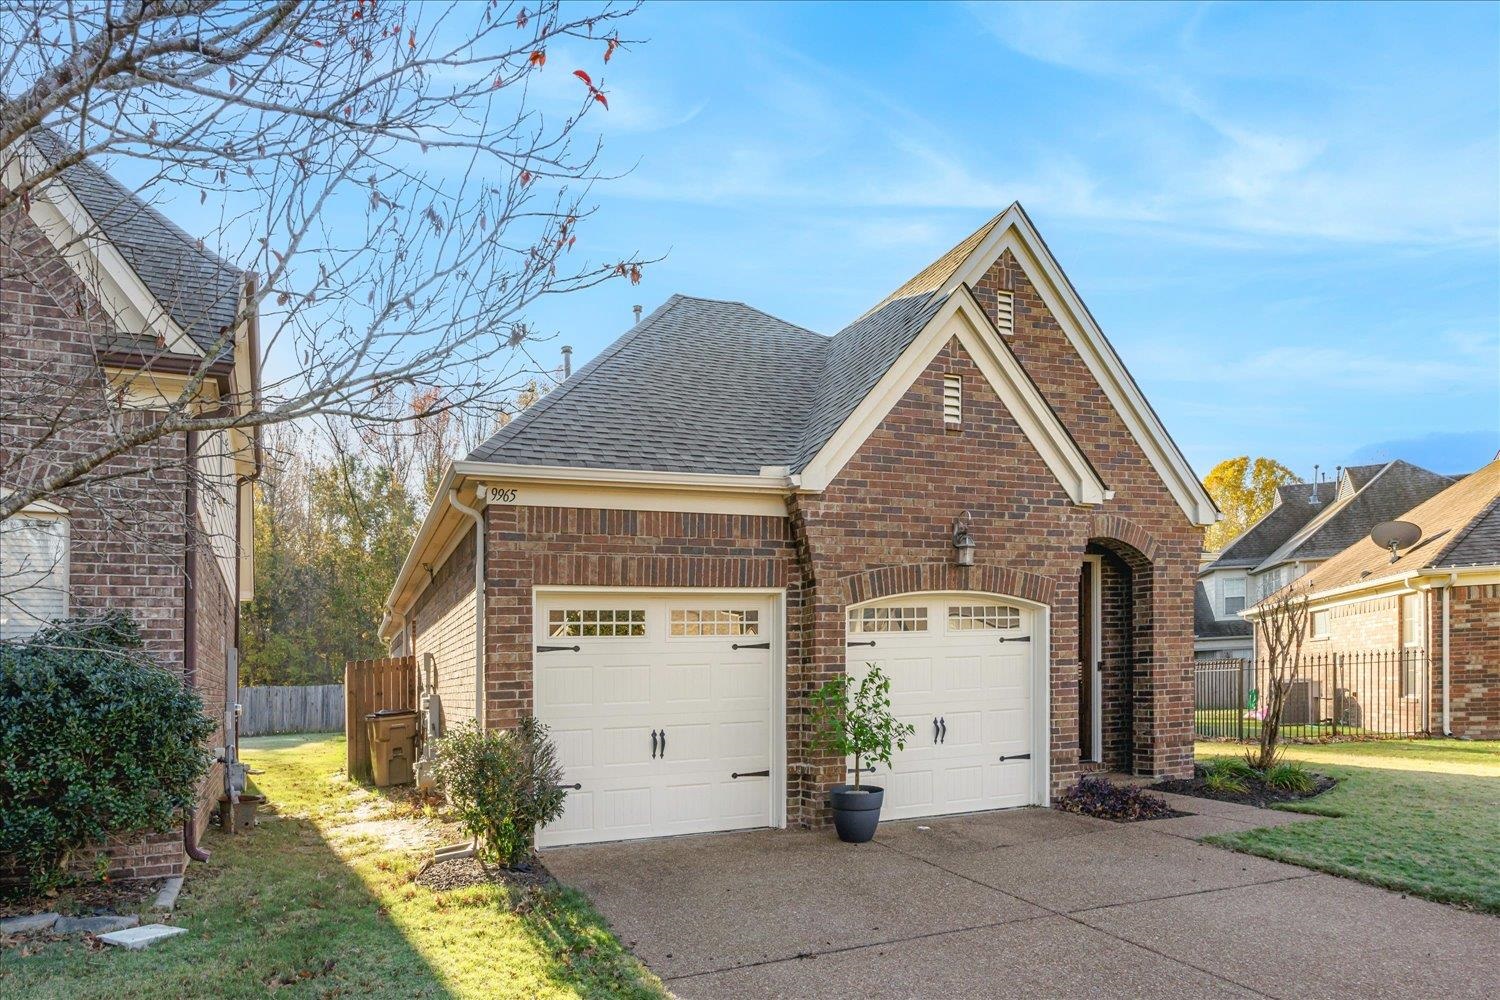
x=1024, y=903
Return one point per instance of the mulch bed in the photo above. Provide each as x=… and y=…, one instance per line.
x=1101, y=798
x=461, y=873
x=1258, y=793
x=80, y=900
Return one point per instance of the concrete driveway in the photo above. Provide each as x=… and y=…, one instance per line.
x=1024, y=903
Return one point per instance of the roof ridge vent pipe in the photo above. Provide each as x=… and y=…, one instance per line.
x=477, y=516
x=637, y=311
x=567, y=353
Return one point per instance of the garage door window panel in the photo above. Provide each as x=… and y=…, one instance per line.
x=894, y=618
x=982, y=617
x=689, y=623
x=596, y=623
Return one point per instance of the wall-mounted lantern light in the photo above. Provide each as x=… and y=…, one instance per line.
x=963, y=542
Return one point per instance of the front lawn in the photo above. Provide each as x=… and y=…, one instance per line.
x=319, y=902
x=1419, y=816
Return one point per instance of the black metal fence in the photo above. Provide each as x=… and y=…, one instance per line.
x=1371, y=693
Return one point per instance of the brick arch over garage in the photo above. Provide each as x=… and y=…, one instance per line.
x=931, y=577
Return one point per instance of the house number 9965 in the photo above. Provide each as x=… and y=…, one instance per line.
x=502, y=494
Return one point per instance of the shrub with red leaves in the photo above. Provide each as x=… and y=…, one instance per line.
x=1103, y=798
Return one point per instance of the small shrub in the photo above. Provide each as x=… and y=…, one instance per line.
x=1225, y=783
x=96, y=740
x=1289, y=777
x=1231, y=767
x=502, y=785
x=1103, y=798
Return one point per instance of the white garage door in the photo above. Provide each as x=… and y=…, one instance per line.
x=961, y=676
x=661, y=710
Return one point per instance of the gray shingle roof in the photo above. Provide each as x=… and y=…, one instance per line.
x=1385, y=496
x=698, y=386
x=1207, y=626
x=1291, y=512
x=199, y=290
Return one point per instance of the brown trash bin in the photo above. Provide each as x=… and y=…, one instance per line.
x=393, y=739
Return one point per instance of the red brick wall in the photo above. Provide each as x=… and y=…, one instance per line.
x=127, y=530
x=546, y=546
x=1474, y=661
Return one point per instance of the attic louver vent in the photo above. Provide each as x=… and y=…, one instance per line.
x=953, y=400
x=1005, y=312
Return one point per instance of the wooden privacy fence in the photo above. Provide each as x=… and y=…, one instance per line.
x=369, y=686
x=309, y=708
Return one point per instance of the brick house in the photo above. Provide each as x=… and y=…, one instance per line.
x=1307, y=524
x=1435, y=605
x=724, y=510
x=106, y=310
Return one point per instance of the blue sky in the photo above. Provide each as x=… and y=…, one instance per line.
x=1284, y=217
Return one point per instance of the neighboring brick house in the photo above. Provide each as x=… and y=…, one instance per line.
x=1436, y=605
x=1306, y=525
x=724, y=510
x=106, y=308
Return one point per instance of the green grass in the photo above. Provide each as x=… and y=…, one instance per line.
x=319, y=902
x=1420, y=816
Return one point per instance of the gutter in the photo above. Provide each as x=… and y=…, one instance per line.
x=1447, y=706
x=477, y=516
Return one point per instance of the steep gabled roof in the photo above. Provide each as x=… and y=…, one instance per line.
x=713, y=387
x=1460, y=528
x=199, y=290
x=1291, y=510
x=1397, y=486
x=698, y=386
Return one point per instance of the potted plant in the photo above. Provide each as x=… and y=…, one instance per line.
x=854, y=720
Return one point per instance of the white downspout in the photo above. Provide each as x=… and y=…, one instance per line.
x=477, y=516
x=1447, y=708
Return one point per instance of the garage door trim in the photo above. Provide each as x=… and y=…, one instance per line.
x=775, y=633
x=1041, y=659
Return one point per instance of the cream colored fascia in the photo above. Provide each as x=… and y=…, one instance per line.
x=139, y=389
x=73, y=232
x=961, y=317
x=1016, y=234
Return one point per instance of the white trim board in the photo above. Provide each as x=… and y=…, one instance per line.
x=1096, y=654
x=962, y=318
x=1014, y=232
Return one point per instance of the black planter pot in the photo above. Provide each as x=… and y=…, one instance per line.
x=856, y=814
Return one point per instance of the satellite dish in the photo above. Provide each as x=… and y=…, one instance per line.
x=1395, y=535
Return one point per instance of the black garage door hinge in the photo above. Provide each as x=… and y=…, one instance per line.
x=1019, y=638
x=869, y=642
x=1016, y=756
x=751, y=645
x=558, y=649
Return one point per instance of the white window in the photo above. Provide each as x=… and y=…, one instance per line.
x=1234, y=596
x=973, y=617
x=953, y=400
x=596, y=623
x=1411, y=620
x=715, y=621
x=1319, y=627
x=33, y=570
x=1005, y=312
x=889, y=619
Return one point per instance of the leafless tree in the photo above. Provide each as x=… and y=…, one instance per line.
x=402, y=180
x=1282, y=620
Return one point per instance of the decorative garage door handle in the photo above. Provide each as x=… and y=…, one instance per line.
x=751, y=645
x=558, y=649
x=1019, y=638
x=935, y=730
x=944, y=723
x=663, y=744
x=871, y=642
x=751, y=774
x=1016, y=756
x=653, y=744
